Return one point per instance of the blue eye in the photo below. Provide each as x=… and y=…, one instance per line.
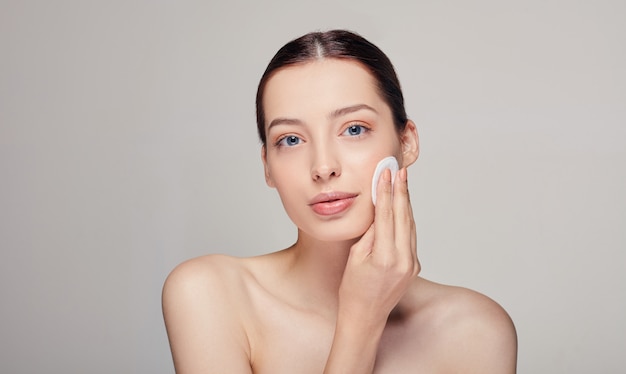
x=355, y=130
x=289, y=141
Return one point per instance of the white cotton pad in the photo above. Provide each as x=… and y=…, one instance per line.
x=386, y=163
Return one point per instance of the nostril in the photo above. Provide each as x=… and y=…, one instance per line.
x=324, y=172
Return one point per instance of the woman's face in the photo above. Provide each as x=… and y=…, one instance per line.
x=327, y=127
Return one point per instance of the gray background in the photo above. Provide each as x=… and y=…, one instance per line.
x=128, y=144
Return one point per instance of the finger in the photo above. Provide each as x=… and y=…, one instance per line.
x=383, y=220
x=403, y=216
x=413, y=236
x=414, y=250
x=413, y=228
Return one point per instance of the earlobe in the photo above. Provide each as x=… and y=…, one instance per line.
x=268, y=178
x=410, y=144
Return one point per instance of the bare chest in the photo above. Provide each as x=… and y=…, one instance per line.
x=288, y=341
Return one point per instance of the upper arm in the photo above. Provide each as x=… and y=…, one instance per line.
x=205, y=335
x=481, y=338
x=491, y=342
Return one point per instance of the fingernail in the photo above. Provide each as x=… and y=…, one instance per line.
x=387, y=175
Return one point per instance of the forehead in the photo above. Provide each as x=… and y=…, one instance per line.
x=319, y=87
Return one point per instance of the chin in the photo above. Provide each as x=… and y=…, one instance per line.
x=338, y=231
x=349, y=226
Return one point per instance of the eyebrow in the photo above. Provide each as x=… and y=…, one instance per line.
x=334, y=114
x=283, y=121
x=351, y=109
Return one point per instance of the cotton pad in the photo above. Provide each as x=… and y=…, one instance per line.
x=386, y=163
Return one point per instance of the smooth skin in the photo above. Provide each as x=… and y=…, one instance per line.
x=346, y=297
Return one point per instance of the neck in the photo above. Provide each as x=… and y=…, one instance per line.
x=317, y=267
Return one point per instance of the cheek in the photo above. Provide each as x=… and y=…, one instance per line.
x=287, y=175
x=364, y=164
x=284, y=169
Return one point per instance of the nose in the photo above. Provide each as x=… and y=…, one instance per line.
x=325, y=164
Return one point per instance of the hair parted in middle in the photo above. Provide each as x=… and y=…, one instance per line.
x=339, y=44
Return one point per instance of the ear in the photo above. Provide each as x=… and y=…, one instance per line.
x=268, y=178
x=410, y=144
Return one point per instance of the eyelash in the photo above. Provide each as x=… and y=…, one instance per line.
x=280, y=141
x=364, y=129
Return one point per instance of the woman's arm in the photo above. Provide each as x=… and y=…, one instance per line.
x=380, y=268
x=476, y=335
x=203, y=333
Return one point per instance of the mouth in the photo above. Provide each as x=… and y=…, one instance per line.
x=327, y=204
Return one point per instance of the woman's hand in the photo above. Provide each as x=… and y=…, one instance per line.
x=380, y=268
x=383, y=263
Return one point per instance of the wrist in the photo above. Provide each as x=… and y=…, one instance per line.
x=361, y=317
x=361, y=327
x=355, y=345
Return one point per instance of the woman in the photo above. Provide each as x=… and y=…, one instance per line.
x=345, y=297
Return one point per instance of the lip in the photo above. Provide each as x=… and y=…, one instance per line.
x=330, y=203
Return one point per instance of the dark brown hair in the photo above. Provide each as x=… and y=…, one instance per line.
x=340, y=44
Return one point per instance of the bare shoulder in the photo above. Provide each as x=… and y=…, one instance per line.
x=467, y=330
x=215, y=282
x=198, y=298
x=210, y=272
